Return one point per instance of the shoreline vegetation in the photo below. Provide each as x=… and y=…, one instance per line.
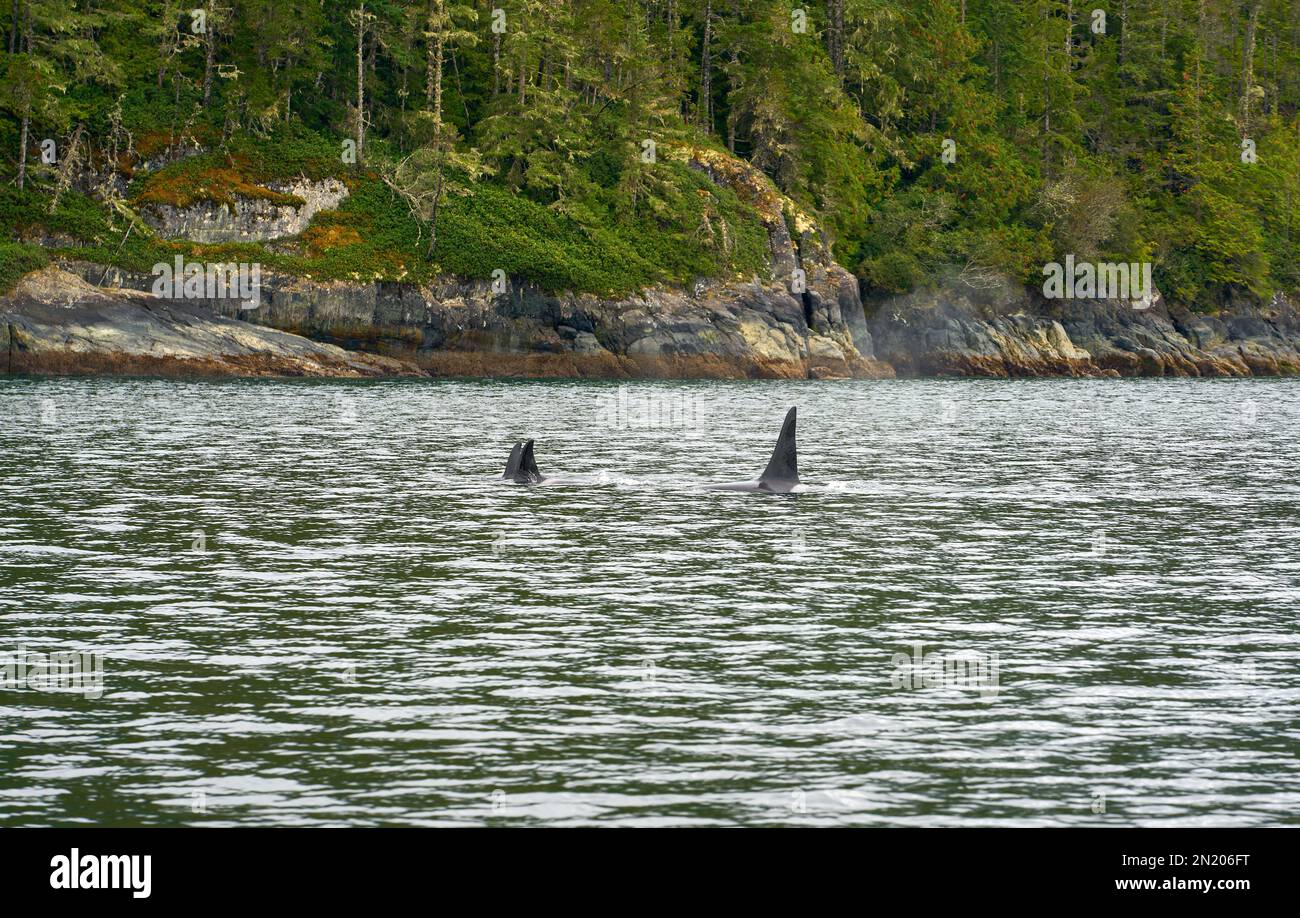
x=715, y=188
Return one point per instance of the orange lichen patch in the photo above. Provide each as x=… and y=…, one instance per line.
x=320, y=239
x=150, y=144
x=354, y=180
x=216, y=251
x=185, y=187
x=154, y=142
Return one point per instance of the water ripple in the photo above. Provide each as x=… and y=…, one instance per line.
x=315, y=605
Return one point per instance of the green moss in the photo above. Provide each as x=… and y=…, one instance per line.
x=16, y=259
x=683, y=227
x=696, y=230
x=213, y=177
x=211, y=183
x=242, y=168
x=288, y=153
x=79, y=228
x=372, y=235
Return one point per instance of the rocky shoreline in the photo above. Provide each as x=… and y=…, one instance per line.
x=730, y=330
x=81, y=318
x=805, y=319
x=1005, y=330
x=55, y=323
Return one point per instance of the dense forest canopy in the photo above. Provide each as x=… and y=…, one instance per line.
x=983, y=137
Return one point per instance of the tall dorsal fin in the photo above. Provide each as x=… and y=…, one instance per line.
x=512, y=464
x=784, y=464
x=527, y=464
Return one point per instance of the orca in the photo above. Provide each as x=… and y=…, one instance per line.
x=521, y=467
x=782, y=473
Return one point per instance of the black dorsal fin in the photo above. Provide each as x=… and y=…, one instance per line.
x=512, y=464
x=784, y=465
x=527, y=464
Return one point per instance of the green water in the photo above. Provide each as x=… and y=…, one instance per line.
x=371, y=630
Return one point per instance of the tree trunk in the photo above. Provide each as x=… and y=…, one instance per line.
x=1164, y=28
x=67, y=166
x=22, y=152
x=1047, y=92
x=1270, y=108
x=835, y=36
x=672, y=43
x=496, y=64
x=1069, y=35
x=1248, y=62
x=435, y=61
x=706, y=70
x=433, y=216
x=210, y=53
x=361, y=81
x=1123, y=29
x=428, y=60
x=735, y=67
x=437, y=86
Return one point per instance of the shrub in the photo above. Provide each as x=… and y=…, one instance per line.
x=16, y=259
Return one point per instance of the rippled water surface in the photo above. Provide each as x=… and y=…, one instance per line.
x=315, y=605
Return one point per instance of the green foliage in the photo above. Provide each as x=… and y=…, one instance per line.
x=493, y=228
x=386, y=242
x=522, y=149
x=16, y=259
x=242, y=168
x=80, y=227
x=373, y=234
x=212, y=177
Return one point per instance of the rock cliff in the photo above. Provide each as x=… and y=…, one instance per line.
x=249, y=219
x=803, y=319
x=56, y=323
x=1007, y=330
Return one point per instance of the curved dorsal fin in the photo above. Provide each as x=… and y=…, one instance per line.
x=784, y=464
x=512, y=464
x=527, y=464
